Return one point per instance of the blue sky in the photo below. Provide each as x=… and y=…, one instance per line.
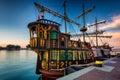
x=16, y=14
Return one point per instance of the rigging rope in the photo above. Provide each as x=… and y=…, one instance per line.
x=101, y=41
x=72, y=28
x=60, y=9
x=91, y=41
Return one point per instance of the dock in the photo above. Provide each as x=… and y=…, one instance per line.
x=109, y=71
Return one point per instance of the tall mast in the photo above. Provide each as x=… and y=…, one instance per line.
x=64, y=5
x=41, y=7
x=83, y=29
x=83, y=22
x=96, y=30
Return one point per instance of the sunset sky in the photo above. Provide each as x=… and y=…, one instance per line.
x=16, y=14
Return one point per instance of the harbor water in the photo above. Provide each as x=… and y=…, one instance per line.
x=18, y=65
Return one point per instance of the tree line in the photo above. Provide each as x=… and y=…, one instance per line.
x=10, y=47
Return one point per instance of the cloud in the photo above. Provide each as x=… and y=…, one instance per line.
x=115, y=23
x=115, y=40
x=113, y=29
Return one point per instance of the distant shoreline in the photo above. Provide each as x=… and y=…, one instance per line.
x=14, y=49
x=10, y=47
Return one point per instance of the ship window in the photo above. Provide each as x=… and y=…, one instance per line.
x=53, y=56
x=62, y=43
x=31, y=34
x=76, y=55
x=34, y=34
x=54, y=43
x=44, y=56
x=53, y=35
x=69, y=55
x=83, y=55
x=66, y=56
x=63, y=56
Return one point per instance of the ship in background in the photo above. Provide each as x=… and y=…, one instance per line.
x=55, y=50
x=100, y=45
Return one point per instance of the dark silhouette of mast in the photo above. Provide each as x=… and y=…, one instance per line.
x=64, y=5
x=83, y=23
x=84, y=29
x=41, y=7
x=96, y=30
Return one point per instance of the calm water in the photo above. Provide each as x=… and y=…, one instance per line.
x=18, y=65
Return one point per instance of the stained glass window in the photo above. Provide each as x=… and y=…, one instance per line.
x=84, y=55
x=69, y=55
x=53, y=35
x=53, y=55
x=81, y=55
x=76, y=55
x=62, y=56
x=44, y=56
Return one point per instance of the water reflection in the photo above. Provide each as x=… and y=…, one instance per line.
x=18, y=65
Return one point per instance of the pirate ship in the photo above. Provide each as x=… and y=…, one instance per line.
x=102, y=50
x=55, y=50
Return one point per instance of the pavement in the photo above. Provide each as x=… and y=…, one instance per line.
x=109, y=71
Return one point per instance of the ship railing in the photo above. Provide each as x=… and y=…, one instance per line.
x=46, y=21
x=39, y=43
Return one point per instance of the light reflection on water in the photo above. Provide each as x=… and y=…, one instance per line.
x=18, y=65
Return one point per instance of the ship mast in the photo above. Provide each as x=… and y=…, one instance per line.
x=83, y=23
x=84, y=29
x=96, y=30
x=64, y=5
x=64, y=17
x=41, y=7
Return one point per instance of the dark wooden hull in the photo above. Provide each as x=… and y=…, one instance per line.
x=51, y=75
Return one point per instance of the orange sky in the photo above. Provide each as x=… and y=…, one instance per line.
x=113, y=28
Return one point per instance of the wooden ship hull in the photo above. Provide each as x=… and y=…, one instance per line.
x=55, y=50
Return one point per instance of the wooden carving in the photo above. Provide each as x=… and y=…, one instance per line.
x=45, y=31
